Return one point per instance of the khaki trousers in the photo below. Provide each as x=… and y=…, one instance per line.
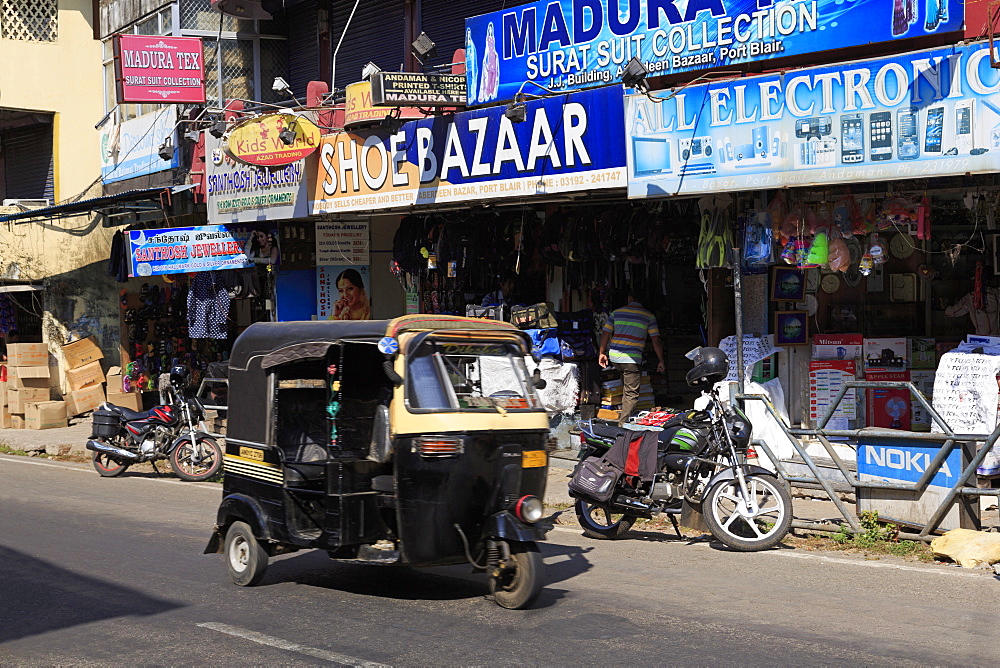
x=630, y=388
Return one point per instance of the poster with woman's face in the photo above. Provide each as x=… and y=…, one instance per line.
x=343, y=292
x=262, y=246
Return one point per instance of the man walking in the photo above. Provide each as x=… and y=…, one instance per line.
x=623, y=340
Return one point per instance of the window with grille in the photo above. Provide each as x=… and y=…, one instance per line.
x=29, y=20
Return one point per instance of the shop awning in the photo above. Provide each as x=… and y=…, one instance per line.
x=86, y=205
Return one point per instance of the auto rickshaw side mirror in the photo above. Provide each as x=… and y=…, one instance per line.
x=537, y=381
x=391, y=374
x=380, y=448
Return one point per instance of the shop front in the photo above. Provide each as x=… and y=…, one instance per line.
x=861, y=198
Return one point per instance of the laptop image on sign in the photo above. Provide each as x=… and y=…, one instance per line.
x=650, y=156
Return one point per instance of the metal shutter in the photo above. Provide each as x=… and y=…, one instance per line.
x=375, y=34
x=28, y=162
x=303, y=46
x=444, y=22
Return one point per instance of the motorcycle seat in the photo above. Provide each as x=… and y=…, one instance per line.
x=128, y=414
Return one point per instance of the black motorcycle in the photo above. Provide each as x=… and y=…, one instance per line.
x=122, y=437
x=701, y=458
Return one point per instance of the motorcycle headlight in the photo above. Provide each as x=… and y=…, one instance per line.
x=528, y=509
x=740, y=430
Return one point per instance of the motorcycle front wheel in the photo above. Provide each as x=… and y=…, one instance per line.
x=748, y=525
x=196, y=463
x=518, y=586
x=599, y=521
x=106, y=466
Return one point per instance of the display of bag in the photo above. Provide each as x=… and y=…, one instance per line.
x=595, y=479
x=536, y=316
x=590, y=383
x=576, y=335
x=492, y=312
x=544, y=342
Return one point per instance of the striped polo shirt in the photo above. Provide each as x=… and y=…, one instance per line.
x=629, y=326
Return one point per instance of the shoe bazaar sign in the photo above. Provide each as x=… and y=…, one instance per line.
x=565, y=143
x=570, y=44
x=916, y=115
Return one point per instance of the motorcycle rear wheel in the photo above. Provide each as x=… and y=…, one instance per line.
x=600, y=522
x=743, y=527
x=181, y=460
x=106, y=466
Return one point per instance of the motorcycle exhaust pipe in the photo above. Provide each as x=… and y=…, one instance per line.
x=97, y=446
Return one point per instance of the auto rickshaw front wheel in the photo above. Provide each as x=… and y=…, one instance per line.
x=518, y=585
x=245, y=557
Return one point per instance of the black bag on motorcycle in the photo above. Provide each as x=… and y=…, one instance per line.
x=595, y=479
x=105, y=424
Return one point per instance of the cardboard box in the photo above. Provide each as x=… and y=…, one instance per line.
x=115, y=379
x=45, y=415
x=19, y=377
x=5, y=418
x=85, y=376
x=82, y=352
x=3, y=392
x=889, y=407
x=131, y=400
x=16, y=422
x=605, y=414
x=27, y=354
x=837, y=346
x=923, y=353
x=87, y=399
x=886, y=354
x=923, y=380
x=18, y=399
x=826, y=379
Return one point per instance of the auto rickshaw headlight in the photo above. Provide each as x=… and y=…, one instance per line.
x=528, y=509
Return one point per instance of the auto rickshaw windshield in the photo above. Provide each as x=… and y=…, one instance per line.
x=450, y=375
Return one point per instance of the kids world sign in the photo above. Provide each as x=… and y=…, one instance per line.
x=566, y=143
x=921, y=114
x=566, y=44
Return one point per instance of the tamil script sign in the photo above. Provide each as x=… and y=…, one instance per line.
x=239, y=193
x=425, y=90
x=150, y=68
x=915, y=115
x=206, y=248
x=566, y=44
x=565, y=143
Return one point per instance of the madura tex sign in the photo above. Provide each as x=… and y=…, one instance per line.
x=565, y=143
x=567, y=44
x=159, y=69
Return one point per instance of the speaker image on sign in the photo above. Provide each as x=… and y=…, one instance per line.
x=760, y=142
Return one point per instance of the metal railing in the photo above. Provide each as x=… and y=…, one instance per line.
x=948, y=438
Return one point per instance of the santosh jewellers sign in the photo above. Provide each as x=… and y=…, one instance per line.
x=567, y=44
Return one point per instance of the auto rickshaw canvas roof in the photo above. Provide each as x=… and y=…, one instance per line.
x=282, y=342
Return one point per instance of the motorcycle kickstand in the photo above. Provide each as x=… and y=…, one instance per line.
x=156, y=470
x=673, y=520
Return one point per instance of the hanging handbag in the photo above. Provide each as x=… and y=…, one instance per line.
x=595, y=479
x=536, y=316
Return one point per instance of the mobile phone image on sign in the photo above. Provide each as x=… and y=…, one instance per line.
x=909, y=136
x=934, y=130
x=964, y=125
x=852, y=138
x=880, y=131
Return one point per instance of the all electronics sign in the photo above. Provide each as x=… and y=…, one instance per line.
x=566, y=44
x=566, y=143
x=915, y=115
x=149, y=68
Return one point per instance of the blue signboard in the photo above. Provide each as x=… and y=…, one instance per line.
x=572, y=142
x=567, y=44
x=902, y=460
x=181, y=250
x=132, y=148
x=915, y=115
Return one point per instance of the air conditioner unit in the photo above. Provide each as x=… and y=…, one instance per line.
x=27, y=203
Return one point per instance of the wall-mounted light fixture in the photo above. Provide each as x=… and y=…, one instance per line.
x=166, y=151
x=634, y=74
x=423, y=48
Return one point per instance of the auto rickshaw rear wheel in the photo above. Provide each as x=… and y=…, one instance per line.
x=518, y=585
x=245, y=557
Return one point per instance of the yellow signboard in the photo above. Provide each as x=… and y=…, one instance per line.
x=271, y=140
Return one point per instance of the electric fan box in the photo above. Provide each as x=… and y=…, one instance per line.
x=888, y=407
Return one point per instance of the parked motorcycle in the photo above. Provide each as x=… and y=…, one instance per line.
x=701, y=458
x=122, y=437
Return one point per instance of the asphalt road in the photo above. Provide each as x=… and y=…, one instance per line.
x=110, y=572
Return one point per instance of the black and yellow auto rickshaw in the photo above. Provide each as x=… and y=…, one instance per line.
x=419, y=440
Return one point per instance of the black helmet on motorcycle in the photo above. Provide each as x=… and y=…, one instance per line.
x=710, y=366
x=178, y=374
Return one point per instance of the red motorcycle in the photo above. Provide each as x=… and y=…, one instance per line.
x=122, y=437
